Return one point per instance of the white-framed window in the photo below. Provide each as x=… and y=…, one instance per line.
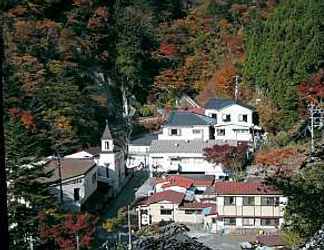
x=174, y=132
x=226, y=117
x=230, y=221
x=220, y=132
x=76, y=194
x=243, y=118
x=165, y=211
x=213, y=115
x=270, y=222
x=269, y=201
x=248, y=221
x=196, y=131
x=242, y=131
x=229, y=201
x=248, y=201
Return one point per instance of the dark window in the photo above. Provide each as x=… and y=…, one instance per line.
x=269, y=222
x=229, y=221
x=107, y=145
x=196, y=131
x=190, y=211
x=77, y=194
x=214, y=220
x=214, y=116
x=270, y=201
x=220, y=132
x=164, y=211
x=94, y=178
x=248, y=201
x=175, y=131
x=229, y=201
x=107, y=172
x=248, y=221
x=243, y=118
x=226, y=118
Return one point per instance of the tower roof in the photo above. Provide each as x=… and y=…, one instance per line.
x=107, y=133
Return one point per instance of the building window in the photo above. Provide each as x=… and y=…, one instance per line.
x=242, y=131
x=196, y=131
x=175, y=131
x=243, y=118
x=226, y=118
x=269, y=201
x=229, y=201
x=107, y=171
x=248, y=201
x=229, y=221
x=165, y=211
x=220, y=132
x=76, y=194
x=190, y=211
x=214, y=116
x=94, y=178
x=106, y=145
x=270, y=222
x=248, y=221
x=214, y=220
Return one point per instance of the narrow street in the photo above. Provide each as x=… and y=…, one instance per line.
x=126, y=196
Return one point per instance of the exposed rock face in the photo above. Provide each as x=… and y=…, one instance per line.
x=171, y=237
x=316, y=242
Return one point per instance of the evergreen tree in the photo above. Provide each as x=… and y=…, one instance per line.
x=283, y=49
x=26, y=195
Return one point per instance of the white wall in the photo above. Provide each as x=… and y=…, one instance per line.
x=233, y=132
x=185, y=134
x=189, y=162
x=84, y=183
x=234, y=110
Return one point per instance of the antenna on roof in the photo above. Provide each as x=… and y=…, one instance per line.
x=236, y=87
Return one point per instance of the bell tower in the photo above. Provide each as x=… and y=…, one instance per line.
x=107, y=142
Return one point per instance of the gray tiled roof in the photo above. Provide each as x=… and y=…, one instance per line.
x=144, y=140
x=107, y=134
x=219, y=103
x=177, y=118
x=182, y=146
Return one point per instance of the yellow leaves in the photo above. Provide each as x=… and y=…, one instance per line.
x=63, y=122
x=56, y=67
x=224, y=24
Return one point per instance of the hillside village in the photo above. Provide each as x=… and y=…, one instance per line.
x=174, y=124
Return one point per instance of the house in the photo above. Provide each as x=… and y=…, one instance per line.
x=111, y=163
x=170, y=205
x=245, y=205
x=138, y=150
x=78, y=178
x=234, y=120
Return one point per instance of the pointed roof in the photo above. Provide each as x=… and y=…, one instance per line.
x=107, y=133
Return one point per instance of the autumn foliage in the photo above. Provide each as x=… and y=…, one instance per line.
x=231, y=157
x=313, y=89
x=65, y=231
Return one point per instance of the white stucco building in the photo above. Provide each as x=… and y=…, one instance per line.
x=79, y=181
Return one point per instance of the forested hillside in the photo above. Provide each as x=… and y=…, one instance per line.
x=72, y=64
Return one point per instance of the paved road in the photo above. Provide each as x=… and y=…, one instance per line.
x=127, y=194
x=214, y=241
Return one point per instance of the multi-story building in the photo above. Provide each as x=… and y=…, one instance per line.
x=245, y=205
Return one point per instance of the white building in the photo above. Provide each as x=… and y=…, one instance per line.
x=78, y=177
x=111, y=163
x=234, y=121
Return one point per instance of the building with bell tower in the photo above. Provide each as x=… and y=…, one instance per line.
x=111, y=163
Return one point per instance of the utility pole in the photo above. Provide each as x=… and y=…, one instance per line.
x=59, y=165
x=318, y=123
x=31, y=244
x=3, y=179
x=236, y=87
x=129, y=230
x=77, y=241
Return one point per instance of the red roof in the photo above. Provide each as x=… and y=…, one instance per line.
x=168, y=195
x=244, y=188
x=183, y=181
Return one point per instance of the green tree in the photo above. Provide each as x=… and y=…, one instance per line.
x=283, y=49
x=26, y=195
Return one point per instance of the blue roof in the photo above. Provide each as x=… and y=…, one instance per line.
x=219, y=103
x=144, y=140
x=178, y=118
